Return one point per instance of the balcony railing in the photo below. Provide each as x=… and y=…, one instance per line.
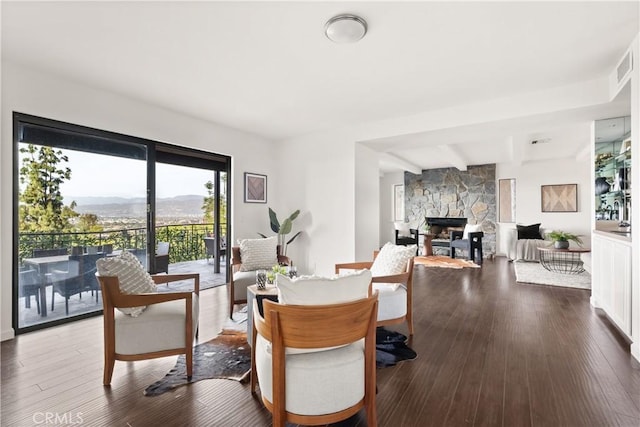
x=186, y=240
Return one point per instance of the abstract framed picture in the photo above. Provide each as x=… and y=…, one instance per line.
x=255, y=188
x=559, y=198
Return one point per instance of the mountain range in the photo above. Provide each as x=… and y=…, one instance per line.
x=122, y=207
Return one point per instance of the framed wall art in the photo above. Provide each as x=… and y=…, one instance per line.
x=398, y=202
x=255, y=188
x=559, y=198
x=507, y=200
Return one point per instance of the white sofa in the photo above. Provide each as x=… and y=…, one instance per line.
x=527, y=249
x=524, y=249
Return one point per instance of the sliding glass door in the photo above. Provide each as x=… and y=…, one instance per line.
x=82, y=194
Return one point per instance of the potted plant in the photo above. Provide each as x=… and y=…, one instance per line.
x=282, y=229
x=561, y=239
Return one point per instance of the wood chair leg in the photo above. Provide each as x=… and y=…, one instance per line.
x=189, y=357
x=109, y=362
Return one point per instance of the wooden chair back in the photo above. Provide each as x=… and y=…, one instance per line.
x=310, y=327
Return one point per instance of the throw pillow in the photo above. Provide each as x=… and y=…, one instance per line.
x=257, y=254
x=470, y=228
x=315, y=290
x=404, y=230
x=392, y=259
x=529, y=232
x=132, y=276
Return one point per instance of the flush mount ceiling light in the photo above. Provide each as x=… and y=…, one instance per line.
x=345, y=28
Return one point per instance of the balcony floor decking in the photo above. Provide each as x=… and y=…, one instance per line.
x=86, y=303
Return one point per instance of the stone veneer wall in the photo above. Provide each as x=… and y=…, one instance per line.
x=452, y=193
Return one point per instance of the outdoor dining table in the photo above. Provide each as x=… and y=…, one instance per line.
x=44, y=265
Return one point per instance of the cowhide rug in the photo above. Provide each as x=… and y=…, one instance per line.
x=228, y=356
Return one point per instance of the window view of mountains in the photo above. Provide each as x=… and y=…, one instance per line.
x=185, y=209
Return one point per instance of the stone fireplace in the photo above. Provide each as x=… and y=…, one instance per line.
x=451, y=193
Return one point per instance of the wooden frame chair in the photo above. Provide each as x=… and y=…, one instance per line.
x=309, y=327
x=236, y=262
x=113, y=298
x=405, y=279
x=162, y=258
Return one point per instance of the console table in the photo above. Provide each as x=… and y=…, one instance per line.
x=565, y=261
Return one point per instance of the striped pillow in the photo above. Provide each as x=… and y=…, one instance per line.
x=132, y=276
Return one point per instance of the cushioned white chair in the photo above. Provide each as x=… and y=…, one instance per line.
x=251, y=255
x=392, y=269
x=159, y=324
x=315, y=364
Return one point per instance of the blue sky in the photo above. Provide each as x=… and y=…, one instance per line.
x=100, y=175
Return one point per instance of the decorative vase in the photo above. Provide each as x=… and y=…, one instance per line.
x=561, y=244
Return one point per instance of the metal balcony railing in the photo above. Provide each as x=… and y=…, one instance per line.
x=186, y=240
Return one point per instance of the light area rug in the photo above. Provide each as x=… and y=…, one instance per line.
x=534, y=272
x=444, y=262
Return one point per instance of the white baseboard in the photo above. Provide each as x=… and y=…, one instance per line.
x=7, y=335
x=594, y=302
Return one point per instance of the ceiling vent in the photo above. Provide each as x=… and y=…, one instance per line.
x=624, y=68
x=541, y=141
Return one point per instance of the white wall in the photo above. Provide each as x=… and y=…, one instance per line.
x=387, y=181
x=529, y=177
x=31, y=92
x=367, y=203
x=317, y=177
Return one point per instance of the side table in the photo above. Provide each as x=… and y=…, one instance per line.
x=565, y=261
x=427, y=246
x=271, y=292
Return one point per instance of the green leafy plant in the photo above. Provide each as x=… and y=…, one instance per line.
x=282, y=229
x=562, y=236
x=271, y=275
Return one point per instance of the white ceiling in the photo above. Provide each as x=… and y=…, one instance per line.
x=267, y=68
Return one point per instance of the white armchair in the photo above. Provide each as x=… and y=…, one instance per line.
x=315, y=364
x=251, y=255
x=392, y=270
x=140, y=323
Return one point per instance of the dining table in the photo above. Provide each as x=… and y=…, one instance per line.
x=44, y=265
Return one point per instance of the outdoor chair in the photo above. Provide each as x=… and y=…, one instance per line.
x=78, y=278
x=162, y=258
x=140, y=323
x=316, y=364
x=39, y=253
x=29, y=285
x=210, y=247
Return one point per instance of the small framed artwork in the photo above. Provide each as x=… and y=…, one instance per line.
x=559, y=198
x=398, y=202
x=255, y=188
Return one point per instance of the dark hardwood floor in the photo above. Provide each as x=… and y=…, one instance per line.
x=491, y=352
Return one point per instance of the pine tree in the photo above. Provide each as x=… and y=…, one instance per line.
x=41, y=203
x=208, y=203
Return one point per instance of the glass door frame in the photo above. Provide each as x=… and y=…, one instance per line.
x=102, y=139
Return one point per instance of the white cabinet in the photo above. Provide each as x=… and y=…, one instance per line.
x=611, y=278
